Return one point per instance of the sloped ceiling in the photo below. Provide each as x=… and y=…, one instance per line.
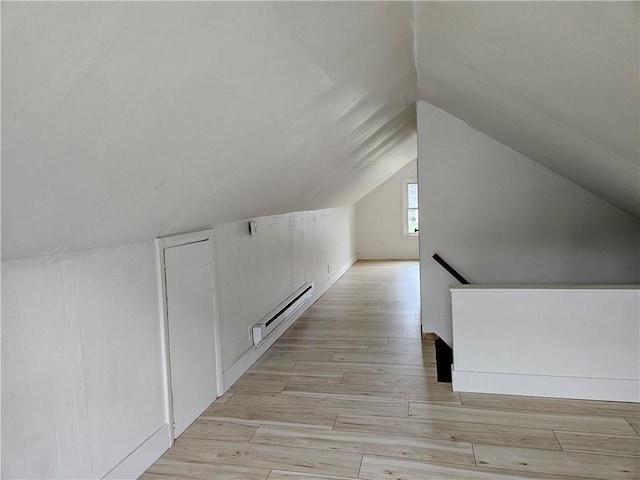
x=556, y=81
x=125, y=121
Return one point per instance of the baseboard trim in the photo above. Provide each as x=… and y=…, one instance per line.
x=240, y=366
x=138, y=461
x=389, y=256
x=607, y=389
x=335, y=276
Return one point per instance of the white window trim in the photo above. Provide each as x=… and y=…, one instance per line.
x=405, y=207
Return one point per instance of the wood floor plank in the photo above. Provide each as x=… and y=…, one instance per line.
x=248, y=383
x=635, y=423
x=386, y=317
x=340, y=342
x=276, y=363
x=359, y=367
x=228, y=431
x=410, y=342
x=387, y=408
x=265, y=456
x=431, y=394
x=382, y=380
x=367, y=303
x=292, y=374
x=301, y=347
x=171, y=469
x=557, y=405
x=385, y=468
x=348, y=333
x=552, y=421
x=314, y=417
x=338, y=396
x=281, y=475
x=343, y=320
x=588, y=465
x=395, y=313
x=397, y=349
x=383, y=358
x=354, y=442
x=281, y=356
x=262, y=376
x=605, y=444
x=457, y=431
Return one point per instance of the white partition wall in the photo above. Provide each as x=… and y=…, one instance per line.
x=568, y=342
x=82, y=389
x=499, y=217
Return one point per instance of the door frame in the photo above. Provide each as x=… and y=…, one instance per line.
x=175, y=241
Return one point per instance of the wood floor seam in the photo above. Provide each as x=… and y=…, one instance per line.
x=556, y=437
x=636, y=427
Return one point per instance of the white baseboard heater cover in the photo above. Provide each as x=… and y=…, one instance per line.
x=279, y=314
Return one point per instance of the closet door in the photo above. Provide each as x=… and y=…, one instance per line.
x=189, y=287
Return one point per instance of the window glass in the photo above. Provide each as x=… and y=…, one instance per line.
x=412, y=195
x=413, y=225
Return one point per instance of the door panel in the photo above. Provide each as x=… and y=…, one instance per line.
x=191, y=334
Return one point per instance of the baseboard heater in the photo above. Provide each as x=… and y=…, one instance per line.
x=268, y=324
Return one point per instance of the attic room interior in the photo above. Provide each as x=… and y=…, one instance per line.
x=212, y=265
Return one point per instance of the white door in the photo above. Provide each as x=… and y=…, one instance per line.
x=191, y=334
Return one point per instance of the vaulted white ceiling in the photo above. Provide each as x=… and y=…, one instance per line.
x=556, y=81
x=124, y=121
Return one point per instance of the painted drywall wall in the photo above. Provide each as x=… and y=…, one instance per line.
x=256, y=272
x=499, y=217
x=379, y=214
x=82, y=368
x=580, y=342
x=81, y=361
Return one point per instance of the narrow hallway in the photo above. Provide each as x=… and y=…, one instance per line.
x=350, y=391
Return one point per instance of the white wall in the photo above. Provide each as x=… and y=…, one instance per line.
x=256, y=272
x=580, y=342
x=82, y=379
x=81, y=376
x=379, y=214
x=499, y=217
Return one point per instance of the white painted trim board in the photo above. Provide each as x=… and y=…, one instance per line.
x=608, y=389
x=138, y=461
x=390, y=256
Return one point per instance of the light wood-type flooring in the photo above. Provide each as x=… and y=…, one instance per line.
x=350, y=392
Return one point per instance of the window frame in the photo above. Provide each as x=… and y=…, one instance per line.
x=405, y=207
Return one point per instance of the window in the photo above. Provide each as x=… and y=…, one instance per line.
x=410, y=223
